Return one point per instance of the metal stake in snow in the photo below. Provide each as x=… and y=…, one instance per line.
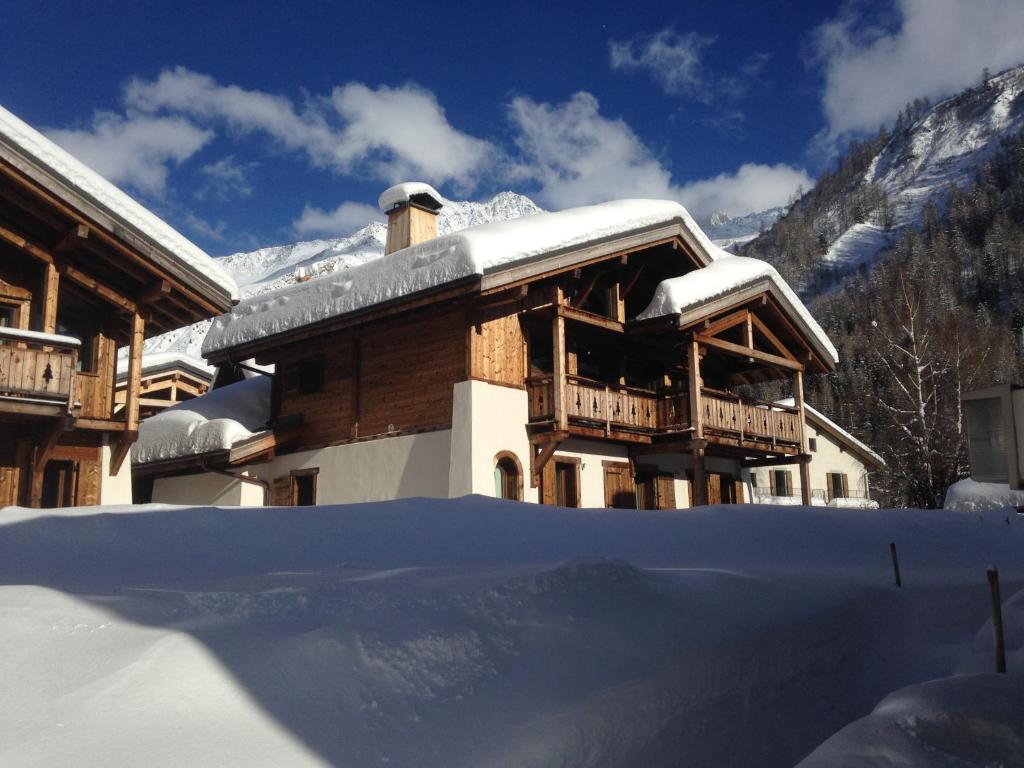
x=895, y=564
x=997, y=618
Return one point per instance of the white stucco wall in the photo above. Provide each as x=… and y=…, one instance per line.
x=114, y=489
x=486, y=420
x=206, y=488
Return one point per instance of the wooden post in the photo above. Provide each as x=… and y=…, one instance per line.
x=696, y=411
x=357, y=374
x=558, y=358
x=805, y=465
x=51, y=284
x=700, y=479
x=997, y=619
x=895, y=564
x=134, y=372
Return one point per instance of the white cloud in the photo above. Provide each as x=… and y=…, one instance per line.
x=577, y=156
x=939, y=47
x=672, y=59
x=226, y=179
x=201, y=226
x=344, y=219
x=133, y=150
x=398, y=134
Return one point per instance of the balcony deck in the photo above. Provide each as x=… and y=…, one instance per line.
x=37, y=373
x=615, y=411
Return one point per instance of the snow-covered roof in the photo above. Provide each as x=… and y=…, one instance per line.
x=157, y=361
x=107, y=205
x=410, y=191
x=215, y=421
x=725, y=275
x=863, y=447
x=498, y=252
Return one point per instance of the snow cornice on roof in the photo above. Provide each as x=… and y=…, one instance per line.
x=479, y=258
x=61, y=174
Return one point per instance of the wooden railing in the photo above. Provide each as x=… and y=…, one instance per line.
x=750, y=419
x=36, y=369
x=616, y=407
x=96, y=395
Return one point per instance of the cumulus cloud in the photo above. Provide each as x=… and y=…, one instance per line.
x=937, y=48
x=394, y=133
x=672, y=59
x=346, y=218
x=578, y=156
x=134, y=150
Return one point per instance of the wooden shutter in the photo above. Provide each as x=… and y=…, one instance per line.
x=846, y=487
x=665, y=492
x=547, y=483
x=281, y=492
x=789, y=482
x=771, y=482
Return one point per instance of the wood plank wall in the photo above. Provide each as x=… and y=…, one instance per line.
x=497, y=347
x=407, y=370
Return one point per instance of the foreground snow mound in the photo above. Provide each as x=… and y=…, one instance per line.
x=968, y=721
x=971, y=496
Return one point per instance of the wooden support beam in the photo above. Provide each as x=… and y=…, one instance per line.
x=748, y=352
x=539, y=457
x=119, y=451
x=72, y=239
x=725, y=323
x=805, y=483
x=19, y=242
x=101, y=290
x=156, y=290
x=700, y=478
x=561, y=413
x=51, y=286
x=631, y=283
x=134, y=373
x=771, y=461
x=781, y=348
x=695, y=385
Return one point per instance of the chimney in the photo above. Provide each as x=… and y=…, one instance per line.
x=412, y=214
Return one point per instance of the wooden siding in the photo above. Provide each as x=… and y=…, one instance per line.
x=497, y=346
x=402, y=379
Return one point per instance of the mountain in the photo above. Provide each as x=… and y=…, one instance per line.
x=731, y=231
x=884, y=185
x=266, y=269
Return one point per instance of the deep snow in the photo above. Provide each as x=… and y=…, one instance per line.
x=474, y=632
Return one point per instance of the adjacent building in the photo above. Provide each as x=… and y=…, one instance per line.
x=84, y=270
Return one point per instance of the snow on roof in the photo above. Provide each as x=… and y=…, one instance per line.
x=212, y=422
x=726, y=274
x=789, y=401
x=158, y=360
x=39, y=150
x=405, y=192
x=56, y=339
x=969, y=495
x=469, y=252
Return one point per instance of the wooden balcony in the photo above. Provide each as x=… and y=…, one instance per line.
x=37, y=373
x=615, y=411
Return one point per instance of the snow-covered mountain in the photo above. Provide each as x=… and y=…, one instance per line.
x=269, y=268
x=728, y=231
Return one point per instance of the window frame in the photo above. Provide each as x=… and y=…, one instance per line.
x=511, y=481
x=299, y=475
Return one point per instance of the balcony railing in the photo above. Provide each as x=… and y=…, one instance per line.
x=37, y=369
x=615, y=407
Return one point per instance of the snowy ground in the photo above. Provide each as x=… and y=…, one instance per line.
x=481, y=633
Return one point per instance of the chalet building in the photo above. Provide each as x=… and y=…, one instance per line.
x=598, y=356
x=84, y=270
x=167, y=378
x=839, y=469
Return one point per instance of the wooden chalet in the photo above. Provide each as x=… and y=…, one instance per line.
x=596, y=356
x=84, y=270
x=166, y=379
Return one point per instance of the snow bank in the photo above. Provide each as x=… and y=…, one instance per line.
x=971, y=720
x=469, y=252
x=56, y=339
x=39, y=149
x=728, y=273
x=216, y=421
x=971, y=496
x=472, y=632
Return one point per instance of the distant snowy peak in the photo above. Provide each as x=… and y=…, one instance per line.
x=725, y=230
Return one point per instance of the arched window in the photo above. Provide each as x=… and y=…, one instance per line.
x=508, y=477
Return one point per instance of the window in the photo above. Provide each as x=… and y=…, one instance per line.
x=987, y=440
x=812, y=443
x=304, y=487
x=58, y=484
x=8, y=316
x=508, y=477
x=781, y=482
x=837, y=488
x=311, y=376
x=567, y=484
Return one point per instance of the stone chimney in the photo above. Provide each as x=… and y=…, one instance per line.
x=412, y=214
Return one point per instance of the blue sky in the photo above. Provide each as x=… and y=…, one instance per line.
x=257, y=123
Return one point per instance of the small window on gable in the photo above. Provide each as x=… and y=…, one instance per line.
x=310, y=376
x=812, y=443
